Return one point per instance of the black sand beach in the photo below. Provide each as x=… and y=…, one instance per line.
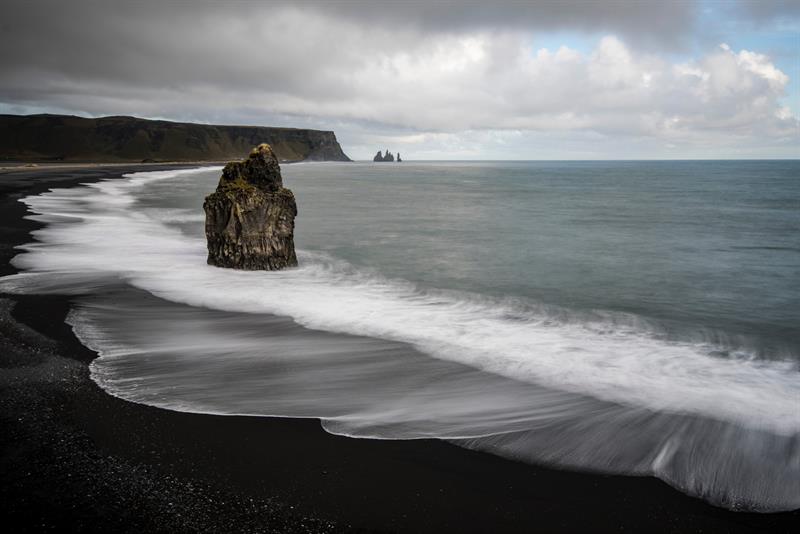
x=77, y=459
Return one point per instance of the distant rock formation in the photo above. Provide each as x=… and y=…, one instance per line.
x=386, y=157
x=250, y=217
x=398, y=158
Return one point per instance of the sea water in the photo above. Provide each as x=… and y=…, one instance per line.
x=627, y=317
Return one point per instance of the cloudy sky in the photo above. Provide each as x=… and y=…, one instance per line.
x=434, y=79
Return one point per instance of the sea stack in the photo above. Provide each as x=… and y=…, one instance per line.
x=383, y=157
x=250, y=217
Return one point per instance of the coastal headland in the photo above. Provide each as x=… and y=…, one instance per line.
x=67, y=138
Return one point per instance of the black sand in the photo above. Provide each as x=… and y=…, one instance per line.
x=76, y=459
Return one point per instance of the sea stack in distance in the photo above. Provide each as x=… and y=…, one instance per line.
x=250, y=217
x=383, y=157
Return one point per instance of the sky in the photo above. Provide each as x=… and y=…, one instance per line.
x=444, y=79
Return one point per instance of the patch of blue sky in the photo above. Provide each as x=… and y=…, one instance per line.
x=583, y=43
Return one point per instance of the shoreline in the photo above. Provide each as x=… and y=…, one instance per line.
x=7, y=167
x=74, y=456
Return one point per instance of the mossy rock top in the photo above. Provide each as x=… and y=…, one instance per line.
x=259, y=171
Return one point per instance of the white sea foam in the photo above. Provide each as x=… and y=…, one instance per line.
x=612, y=362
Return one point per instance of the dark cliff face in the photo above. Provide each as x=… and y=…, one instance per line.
x=250, y=217
x=129, y=139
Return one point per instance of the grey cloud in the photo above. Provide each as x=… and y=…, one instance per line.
x=174, y=40
x=643, y=21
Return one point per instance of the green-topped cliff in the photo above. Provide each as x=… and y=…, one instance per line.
x=130, y=139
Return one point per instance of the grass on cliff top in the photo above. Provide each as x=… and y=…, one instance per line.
x=237, y=185
x=240, y=185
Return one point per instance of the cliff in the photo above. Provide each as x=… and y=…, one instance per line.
x=250, y=217
x=130, y=139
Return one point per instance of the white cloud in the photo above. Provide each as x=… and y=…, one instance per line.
x=495, y=82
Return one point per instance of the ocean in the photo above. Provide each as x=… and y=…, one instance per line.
x=631, y=317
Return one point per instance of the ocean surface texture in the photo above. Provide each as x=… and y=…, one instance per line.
x=624, y=317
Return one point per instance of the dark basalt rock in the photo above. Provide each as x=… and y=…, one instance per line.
x=250, y=217
x=385, y=157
